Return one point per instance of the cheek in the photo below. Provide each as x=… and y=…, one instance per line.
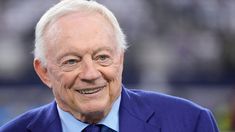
x=112, y=74
x=61, y=87
x=53, y=72
x=61, y=79
x=118, y=68
x=114, y=77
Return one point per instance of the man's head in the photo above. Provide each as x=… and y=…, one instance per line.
x=79, y=54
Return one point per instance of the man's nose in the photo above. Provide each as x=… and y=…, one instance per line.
x=88, y=71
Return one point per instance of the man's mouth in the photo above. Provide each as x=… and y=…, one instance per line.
x=90, y=90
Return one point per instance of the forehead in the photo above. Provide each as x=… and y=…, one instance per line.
x=80, y=30
x=79, y=21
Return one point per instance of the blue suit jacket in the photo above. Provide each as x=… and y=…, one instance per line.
x=140, y=111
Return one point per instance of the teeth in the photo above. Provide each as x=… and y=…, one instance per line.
x=89, y=91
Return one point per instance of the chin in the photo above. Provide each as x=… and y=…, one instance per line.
x=96, y=108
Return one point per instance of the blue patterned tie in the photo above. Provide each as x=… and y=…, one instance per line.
x=97, y=128
x=92, y=128
x=106, y=129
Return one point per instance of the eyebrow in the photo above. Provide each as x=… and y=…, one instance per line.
x=75, y=53
x=103, y=48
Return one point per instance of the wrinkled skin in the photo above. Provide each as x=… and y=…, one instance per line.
x=82, y=54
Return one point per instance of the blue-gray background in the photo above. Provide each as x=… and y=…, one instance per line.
x=179, y=47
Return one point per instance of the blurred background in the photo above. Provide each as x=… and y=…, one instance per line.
x=184, y=48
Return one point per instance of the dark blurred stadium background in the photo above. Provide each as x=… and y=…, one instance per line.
x=179, y=47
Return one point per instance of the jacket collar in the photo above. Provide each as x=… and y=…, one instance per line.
x=46, y=120
x=136, y=115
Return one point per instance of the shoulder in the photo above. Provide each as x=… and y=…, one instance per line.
x=168, y=112
x=166, y=104
x=173, y=112
x=21, y=122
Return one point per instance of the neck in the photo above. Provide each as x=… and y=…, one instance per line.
x=90, y=118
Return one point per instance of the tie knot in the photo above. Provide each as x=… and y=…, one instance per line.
x=92, y=128
x=97, y=128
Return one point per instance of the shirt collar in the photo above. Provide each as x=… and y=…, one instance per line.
x=112, y=119
x=71, y=124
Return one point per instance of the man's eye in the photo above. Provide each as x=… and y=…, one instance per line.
x=103, y=57
x=68, y=65
x=104, y=60
x=70, y=62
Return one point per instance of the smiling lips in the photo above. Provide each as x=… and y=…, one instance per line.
x=90, y=90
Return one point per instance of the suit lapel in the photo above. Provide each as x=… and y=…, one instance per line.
x=46, y=120
x=135, y=115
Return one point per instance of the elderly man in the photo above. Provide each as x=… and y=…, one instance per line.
x=79, y=53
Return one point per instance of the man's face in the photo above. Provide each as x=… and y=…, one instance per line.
x=84, y=65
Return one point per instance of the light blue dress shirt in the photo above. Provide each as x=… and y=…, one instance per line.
x=71, y=124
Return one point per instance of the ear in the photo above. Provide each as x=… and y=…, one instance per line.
x=42, y=72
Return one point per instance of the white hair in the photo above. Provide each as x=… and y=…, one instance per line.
x=70, y=6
